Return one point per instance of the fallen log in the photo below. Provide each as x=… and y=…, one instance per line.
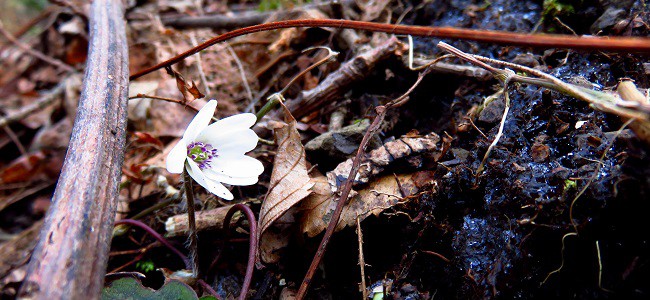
x=70, y=259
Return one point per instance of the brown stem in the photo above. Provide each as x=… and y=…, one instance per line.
x=172, y=100
x=191, y=221
x=624, y=44
x=252, y=246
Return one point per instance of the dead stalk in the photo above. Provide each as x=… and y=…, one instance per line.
x=498, y=37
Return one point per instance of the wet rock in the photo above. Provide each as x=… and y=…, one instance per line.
x=343, y=143
x=526, y=59
x=623, y=4
x=608, y=19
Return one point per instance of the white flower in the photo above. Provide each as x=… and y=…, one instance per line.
x=215, y=154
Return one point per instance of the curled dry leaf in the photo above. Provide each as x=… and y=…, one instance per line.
x=190, y=91
x=290, y=182
x=410, y=148
x=380, y=194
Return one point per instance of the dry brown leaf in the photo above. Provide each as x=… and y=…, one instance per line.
x=277, y=237
x=290, y=182
x=170, y=119
x=410, y=148
x=379, y=195
x=190, y=91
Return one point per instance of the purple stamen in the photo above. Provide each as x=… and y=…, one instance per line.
x=201, y=153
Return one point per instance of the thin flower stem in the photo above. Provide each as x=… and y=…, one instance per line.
x=191, y=219
x=252, y=246
x=155, y=235
x=272, y=102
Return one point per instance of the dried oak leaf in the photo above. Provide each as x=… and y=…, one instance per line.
x=379, y=195
x=290, y=182
x=190, y=91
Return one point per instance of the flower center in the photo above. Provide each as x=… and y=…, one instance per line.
x=201, y=153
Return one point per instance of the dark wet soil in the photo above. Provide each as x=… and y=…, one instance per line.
x=502, y=231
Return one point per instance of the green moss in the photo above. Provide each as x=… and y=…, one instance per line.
x=557, y=8
x=145, y=266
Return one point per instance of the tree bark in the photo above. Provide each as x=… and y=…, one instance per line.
x=69, y=261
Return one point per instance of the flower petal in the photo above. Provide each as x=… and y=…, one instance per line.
x=196, y=173
x=209, y=173
x=237, y=165
x=239, y=141
x=239, y=121
x=200, y=121
x=218, y=189
x=176, y=158
x=209, y=184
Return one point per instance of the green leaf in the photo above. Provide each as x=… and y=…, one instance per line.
x=145, y=266
x=131, y=289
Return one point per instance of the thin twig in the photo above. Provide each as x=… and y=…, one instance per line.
x=209, y=289
x=29, y=25
x=436, y=254
x=242, y=73
x=32, y=52
x=141, y=253
x=181, y=102
x=362, y=261
x=498, y=37
x=600, y=268
x=278, y=97
x=157, y=236
x=191, y=220
x=199, y=65
x=40, y=103
x=562, y=257
x=14, y=138
x=603, y=101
